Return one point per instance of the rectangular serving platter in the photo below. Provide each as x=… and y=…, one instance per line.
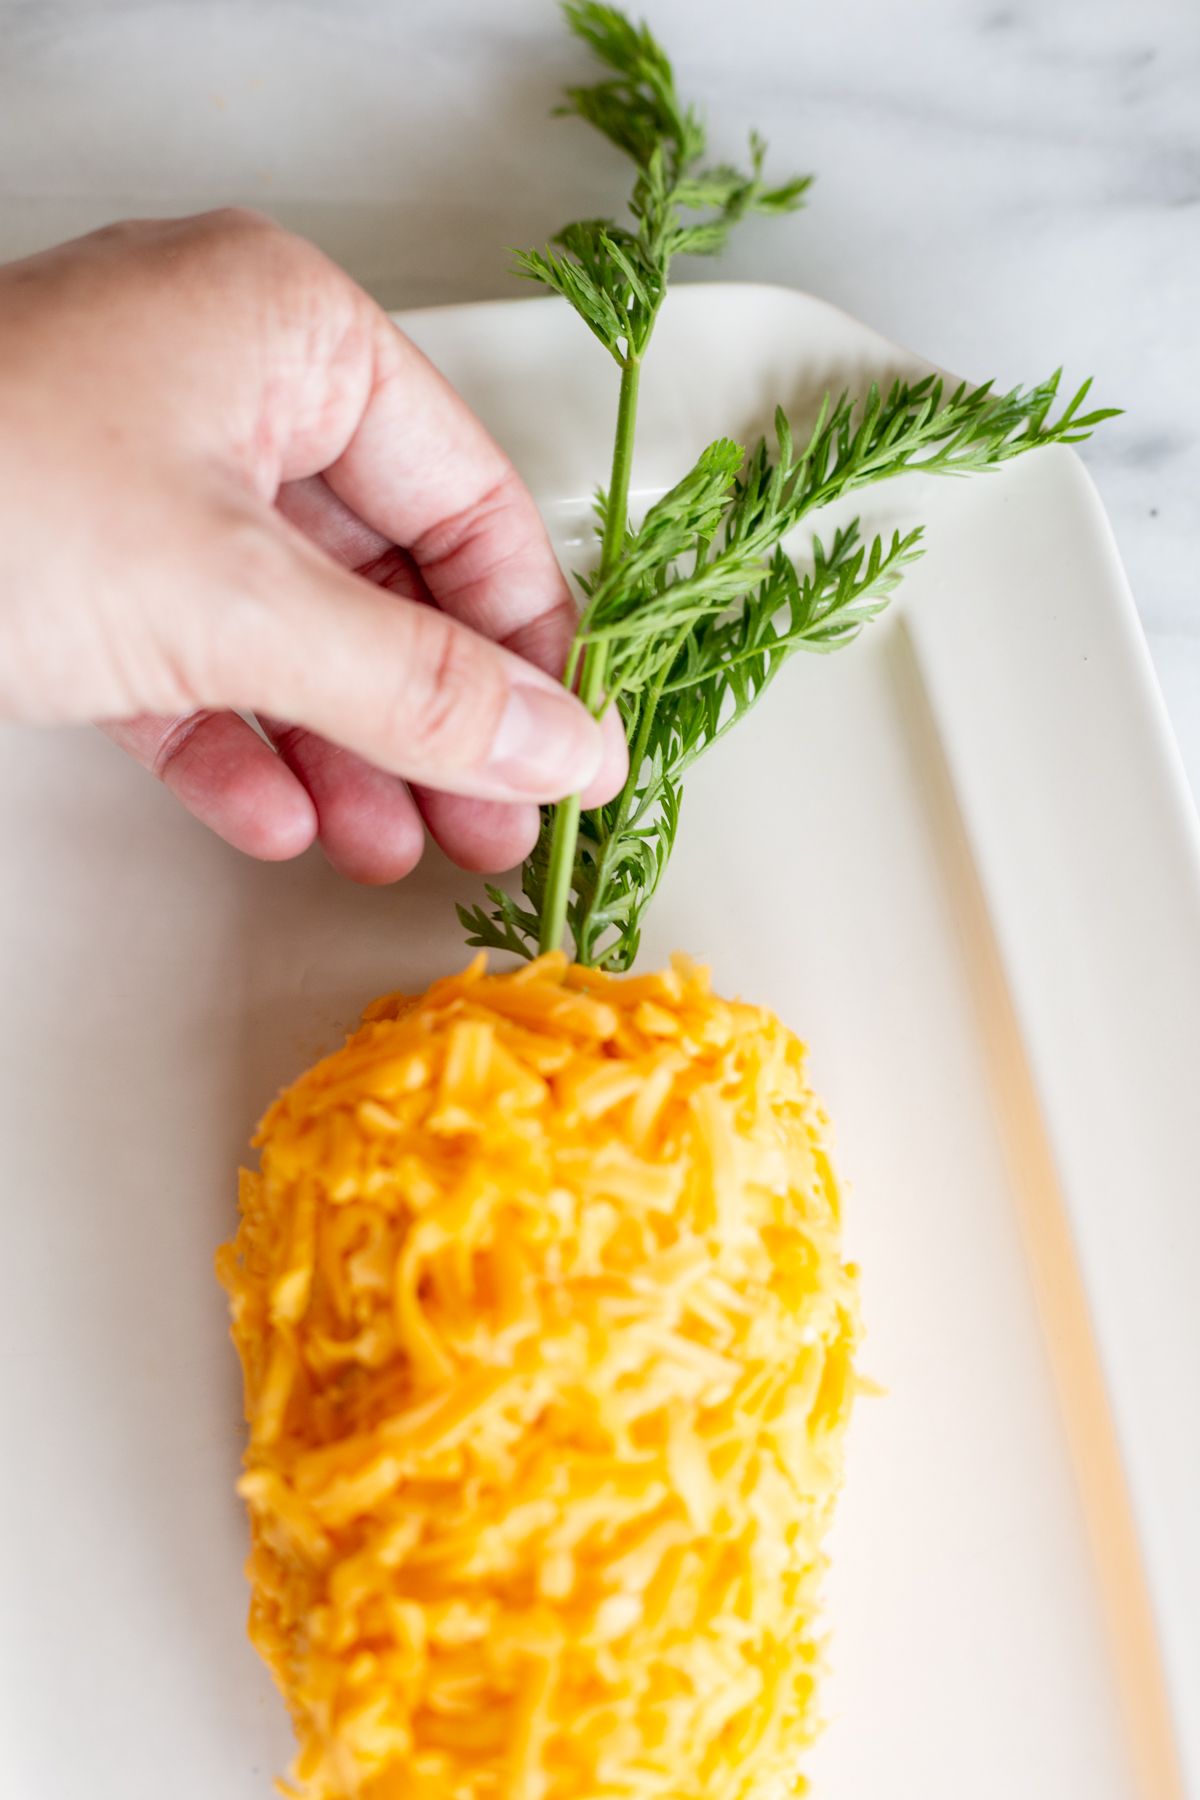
x=959, y=858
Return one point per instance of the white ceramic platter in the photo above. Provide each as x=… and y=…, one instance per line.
x=958, y=857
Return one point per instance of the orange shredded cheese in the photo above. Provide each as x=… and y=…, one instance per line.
x=547, y=1343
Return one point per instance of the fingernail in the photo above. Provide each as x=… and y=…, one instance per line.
x=547, y=744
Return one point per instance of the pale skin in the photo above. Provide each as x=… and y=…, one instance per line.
x=231, y=486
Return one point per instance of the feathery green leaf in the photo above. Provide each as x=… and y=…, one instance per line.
x=691, y=614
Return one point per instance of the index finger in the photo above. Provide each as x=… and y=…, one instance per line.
x=420, y=468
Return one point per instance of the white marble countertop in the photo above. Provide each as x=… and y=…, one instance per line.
x=1003, y=185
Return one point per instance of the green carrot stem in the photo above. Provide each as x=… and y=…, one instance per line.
x=591, y=679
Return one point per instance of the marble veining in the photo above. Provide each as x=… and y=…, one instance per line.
x=1001, y=186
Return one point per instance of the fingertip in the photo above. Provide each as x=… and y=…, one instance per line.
x=367, y=821
x=545, y=746
x=223, y=773
x=609, y=778
x=374, y=857
x=255, y=804
x=278, y=829
x=481, y=836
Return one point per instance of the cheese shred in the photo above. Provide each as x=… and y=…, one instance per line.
x=547, y=1343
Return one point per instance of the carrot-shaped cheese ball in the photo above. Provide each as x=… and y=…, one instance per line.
x=547, y=1342
x=538, y=1289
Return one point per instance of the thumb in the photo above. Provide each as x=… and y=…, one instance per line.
x=398, y=682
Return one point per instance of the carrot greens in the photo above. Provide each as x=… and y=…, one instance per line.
x=690, y=615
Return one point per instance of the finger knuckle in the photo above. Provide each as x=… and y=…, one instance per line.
x=239, y=238
x=123, y=233
x=238, y=221
x=452, y=712
x=177, y=734
x=456, y=547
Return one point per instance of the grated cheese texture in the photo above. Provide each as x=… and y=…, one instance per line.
x=547, y=1343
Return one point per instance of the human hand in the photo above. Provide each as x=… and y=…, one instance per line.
x=229, y=484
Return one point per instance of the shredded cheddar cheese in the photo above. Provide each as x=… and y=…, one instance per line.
x=547, y=1344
